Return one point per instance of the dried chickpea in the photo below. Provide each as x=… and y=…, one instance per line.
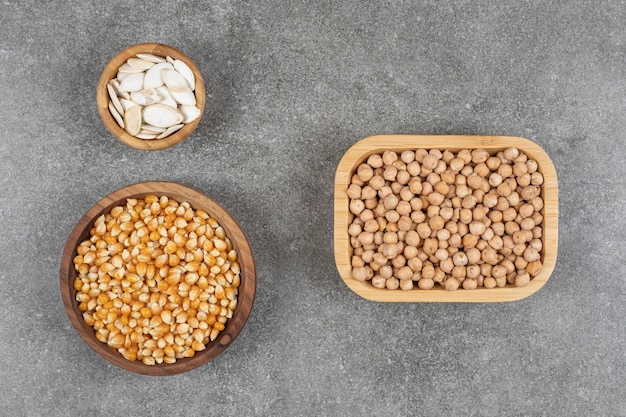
x=466, y=219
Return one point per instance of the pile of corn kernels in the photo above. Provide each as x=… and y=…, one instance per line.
x=157, y=280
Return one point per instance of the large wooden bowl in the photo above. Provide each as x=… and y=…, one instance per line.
x=110, y=72
x=377, y=144
x=197, y=200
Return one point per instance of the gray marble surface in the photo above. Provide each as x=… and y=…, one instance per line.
x=290, y=87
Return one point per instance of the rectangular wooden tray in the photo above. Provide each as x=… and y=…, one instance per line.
x=377, y=144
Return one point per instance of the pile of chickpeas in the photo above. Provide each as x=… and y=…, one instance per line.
x=463, y=219
x=156, y=279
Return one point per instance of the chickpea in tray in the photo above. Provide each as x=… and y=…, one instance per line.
x=456, y=219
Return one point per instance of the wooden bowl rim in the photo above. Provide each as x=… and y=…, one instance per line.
x=197, y=199
x=102, y=97
x=374, y=144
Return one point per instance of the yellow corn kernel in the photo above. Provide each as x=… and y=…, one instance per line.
x=116, y=341
x=111, y=316
x=230, y=293
x=101, y=336
x=203, y=307
x=182, y=328
x=193, y=322
x=142, y=268
x=182, y=317
x=83, y=269
x=198, y=335
x=213, y=309
x=145, y=312
x=197, y=345
x=220, y=244
x=166, y=317
x=221, y=280
x=170, y=247
x=219, y=291
x=236, y=281
x=214, y=334
x=101, y=314
x=201, y=214
x=102, y=298
x=89, y=319
x=150, y=344
x=189, y=353
x=202, y=282
x=173, y=259
x=130, y=355
x=192, y=266
x=169, y=351
x=220, y=232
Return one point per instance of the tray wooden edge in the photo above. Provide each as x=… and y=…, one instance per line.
x=371, y=144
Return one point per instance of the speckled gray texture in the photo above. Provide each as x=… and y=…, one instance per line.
x=291, y=85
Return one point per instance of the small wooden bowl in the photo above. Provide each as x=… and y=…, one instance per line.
x=377, y=144
x=197, y=200
x=110, y=72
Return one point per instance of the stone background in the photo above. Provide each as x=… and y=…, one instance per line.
x=291, y=85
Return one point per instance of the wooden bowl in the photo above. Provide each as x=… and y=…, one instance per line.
x=377, y=144
x=110, y=72
x=197, y=200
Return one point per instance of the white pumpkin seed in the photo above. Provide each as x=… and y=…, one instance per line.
x=151, y=58
x=146, y=136
x=133, y=82
x=124, y=94
x=121, y=75
x=139, y=63
x=190, y=113
x=145, y=97
x=116, y=115
x=153, y=76
x=127, y=104
x=186, y=72
x=186, y=97
x=160, y=115
x=114, y=99
x=166, y=97
x=170, y=59
x=129, y=69
x=146, y=128
x=132, y=120
x=170, y=130
x=174, y=81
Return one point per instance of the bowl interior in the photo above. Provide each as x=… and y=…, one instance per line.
x=197, y=200
x=110, y=72
x=359, y=152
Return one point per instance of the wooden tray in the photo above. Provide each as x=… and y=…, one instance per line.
x=377, y=144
